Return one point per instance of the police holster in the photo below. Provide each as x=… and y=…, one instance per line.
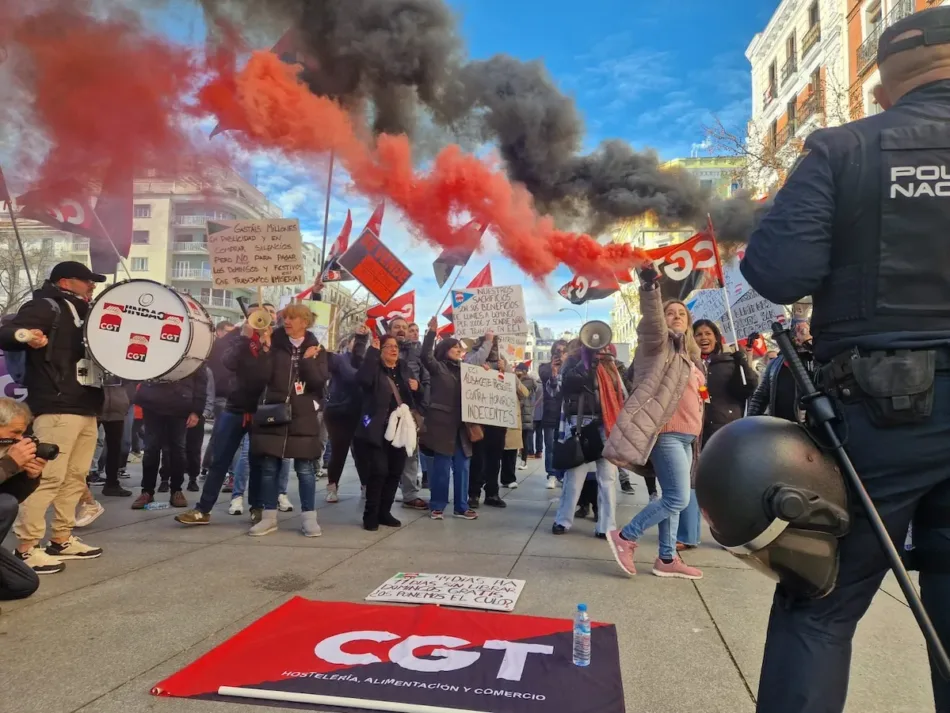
x=896, y=388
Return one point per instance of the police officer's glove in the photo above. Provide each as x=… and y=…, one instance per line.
x=648, y=277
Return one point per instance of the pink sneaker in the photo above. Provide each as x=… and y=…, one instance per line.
x=623, y=551
x=677, y=569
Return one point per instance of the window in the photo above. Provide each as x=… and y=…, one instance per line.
x=872, y=18
x=773, y=134
x=814, y=16
x=706, y=183
x=47, y=245
x=140, y=237
x=140, y=264
x=772, y=73
x=815, y=82
x=792, y=118
x=142, y=211
x=790, y=46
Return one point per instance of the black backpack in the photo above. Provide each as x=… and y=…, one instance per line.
x=16, y=361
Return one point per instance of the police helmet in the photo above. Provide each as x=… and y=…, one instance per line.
x=774, y=499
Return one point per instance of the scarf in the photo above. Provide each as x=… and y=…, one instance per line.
x=612, y=394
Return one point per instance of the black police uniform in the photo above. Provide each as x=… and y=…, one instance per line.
x=862, y=225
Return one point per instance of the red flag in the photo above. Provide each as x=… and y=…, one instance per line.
x=64, y=206
x=482, y=279
x=458, y=256
x=375, y=222
x=5, y=198
x=332, y=272
x=114, y=208
x=688, y=266
x=403, y=305
x=446, y=330
x=583, y=289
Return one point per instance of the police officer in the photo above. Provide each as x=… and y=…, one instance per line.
x=861, y=225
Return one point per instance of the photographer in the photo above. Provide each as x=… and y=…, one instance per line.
x=20, y=470
x=65, y=409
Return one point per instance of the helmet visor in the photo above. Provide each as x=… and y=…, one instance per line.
x=804, y=562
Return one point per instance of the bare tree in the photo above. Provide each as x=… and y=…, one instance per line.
x=14, y=287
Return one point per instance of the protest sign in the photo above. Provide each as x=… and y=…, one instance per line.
x=249, y=253
x=454, y=590
x=513, y=348
x=751, y=313
x=489, y=397
x=375, y=267
x=499, y=309
x=324, y=315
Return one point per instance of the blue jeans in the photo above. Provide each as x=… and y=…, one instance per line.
x=549, y=435
x=283, y=479
x=242, y=468
x=606, y=474
x=672, y=460
x=458, y=462
x=229, y=429
x=690, y=527
x=270, y=467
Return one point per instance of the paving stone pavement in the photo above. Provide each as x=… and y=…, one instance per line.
x=95, y=638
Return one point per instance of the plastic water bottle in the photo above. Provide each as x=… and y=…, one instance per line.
x=156, y=506
x=581, y=636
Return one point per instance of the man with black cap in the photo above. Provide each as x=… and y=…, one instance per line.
x=49, y=328
x=861, y=225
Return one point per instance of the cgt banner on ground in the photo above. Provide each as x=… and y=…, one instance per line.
x=406, y=659
x=453, y=590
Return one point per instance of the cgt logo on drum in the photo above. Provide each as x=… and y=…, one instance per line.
x=171, y=330
x=111, y=320
x=138, y=347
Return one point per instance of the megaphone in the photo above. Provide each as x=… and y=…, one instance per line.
x=260, y=320
x=596, y=335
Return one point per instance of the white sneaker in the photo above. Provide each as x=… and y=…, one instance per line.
x=522, y=466
x=284, y=504
x=73, y=549
x=513, y=486
x=40, y=562
x=88, y=513
x=237, y=505
x=332, y=495
x=552, y=483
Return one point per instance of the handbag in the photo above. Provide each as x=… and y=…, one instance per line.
x=281, y=414
x=584, y=446
x=474, y=431
x=416, y=416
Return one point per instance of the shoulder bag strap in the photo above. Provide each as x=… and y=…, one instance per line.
x=392, y=385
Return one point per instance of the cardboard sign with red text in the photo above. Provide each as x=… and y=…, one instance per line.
x=375, y=267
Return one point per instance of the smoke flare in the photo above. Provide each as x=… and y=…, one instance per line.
x=273, y=109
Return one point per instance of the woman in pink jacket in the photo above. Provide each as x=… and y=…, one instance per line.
x=661, y=423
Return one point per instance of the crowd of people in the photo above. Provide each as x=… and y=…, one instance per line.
x=281, y=401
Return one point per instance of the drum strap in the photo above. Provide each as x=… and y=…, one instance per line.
x=72, y=308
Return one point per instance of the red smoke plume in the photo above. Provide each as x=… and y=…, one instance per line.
x=273, y=109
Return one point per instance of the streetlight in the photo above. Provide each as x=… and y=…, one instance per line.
x=568, y=309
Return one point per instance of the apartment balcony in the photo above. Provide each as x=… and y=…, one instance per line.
x=228, y=303
x=191, y=273
x=190, y=247
x=811, y=38
x=79, y=245
x=813, y=104
x=191, y=221
x=789, y=69
x=867, y=52
x=786, y=134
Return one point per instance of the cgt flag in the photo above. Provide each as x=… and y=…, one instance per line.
x=403, y=306
x=332, y=272
x=688, y=266
x=482, y=279
x=64, y=206
x=343, y=655
x=470, y=236
x=584, y=289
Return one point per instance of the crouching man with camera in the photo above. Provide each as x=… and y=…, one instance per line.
x=20, y=470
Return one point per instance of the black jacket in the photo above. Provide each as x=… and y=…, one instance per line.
x=52, y=386
x=344, y=396
x=765, y=397
x=246, y=382
x=410, y=353
x=301, y=438
x=378, y=399
x=552, y=396
x=577, y=379
x=175, y=398
x=727, y=393
x=224, y=379
x=443, y=422
x=14, y=481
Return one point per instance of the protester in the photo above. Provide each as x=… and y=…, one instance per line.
x=386, y=381
x=551, y=419
x=195, y=436
x=660, y=423
x=343, y=406
x=537, y=420
x=233, y=423
x=409, y=354
x=65, y=410
x=295, y=369
x=445, y=434
x=222, y=379
x=170, y=409
x=20, y=472
x=594, y=393
x=777, y=394
x=527, y=401
x=730, y=381
x=488, y=452
x=514, y=440
x=646, y=474
x=117, y=398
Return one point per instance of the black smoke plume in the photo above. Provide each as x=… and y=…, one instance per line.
x=402, y=63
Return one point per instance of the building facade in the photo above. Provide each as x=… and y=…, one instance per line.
x=799, y=83
x=720, y=174
x=867, y=19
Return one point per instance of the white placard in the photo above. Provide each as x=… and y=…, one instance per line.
x=453, y=590
x=499, y=309
x=248, y=253
x=751, y=313
x=489, y=397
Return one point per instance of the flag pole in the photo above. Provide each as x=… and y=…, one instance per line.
x=725, y=292
x=451, y=287
x=326, y=216
x=114, y=248
x=19, y=242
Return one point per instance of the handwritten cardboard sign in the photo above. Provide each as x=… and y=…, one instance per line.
x=751, y=313
x=375, y=267
x=489, y=397
x=500, y=309
x=248, y=253
x=453, y=590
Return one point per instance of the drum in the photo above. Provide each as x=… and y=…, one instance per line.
x=142, y=330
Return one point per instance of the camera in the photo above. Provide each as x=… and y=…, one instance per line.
x=46, y=451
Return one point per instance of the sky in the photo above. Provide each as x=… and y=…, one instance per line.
x=651, y=74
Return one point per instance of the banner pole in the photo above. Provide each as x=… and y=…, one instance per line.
x=114, y=248
x=326, y=216
x=451, y=287
x=19, y=242
x=725, y=292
